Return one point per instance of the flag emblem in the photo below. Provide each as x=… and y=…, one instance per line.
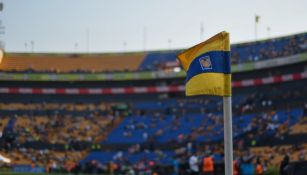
x=205, y=63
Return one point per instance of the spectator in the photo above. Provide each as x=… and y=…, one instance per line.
x=284, y=166
x=259, y=167
x=208, y=165
x=175, y=166
x=193, y=163
x=302, y=154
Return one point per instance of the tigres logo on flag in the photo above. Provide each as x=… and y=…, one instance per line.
x=205, y=63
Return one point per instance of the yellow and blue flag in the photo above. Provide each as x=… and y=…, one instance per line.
x=208, y=67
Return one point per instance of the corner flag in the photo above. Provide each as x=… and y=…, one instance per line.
x=208, y=67
x=208, y=73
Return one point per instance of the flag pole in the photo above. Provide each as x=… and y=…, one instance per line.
x=228, y=147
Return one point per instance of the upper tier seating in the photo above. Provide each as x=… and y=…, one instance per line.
x=71, y=63
x=240, y=53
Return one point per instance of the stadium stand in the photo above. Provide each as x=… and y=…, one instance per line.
x=149, y=125
x=245, y=52
x=167, y=128
x=159, y=115
x=71, y=63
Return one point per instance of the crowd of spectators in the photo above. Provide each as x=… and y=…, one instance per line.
x=241, y=53
x=252, y=52
x=191, y=159
x=246, y=160
x=67, y=123
x=206, y=129
x=50, y=160
x=45, y=124
x=267, y=122
x=269, y=49
x=249, y=157
x=59, y=128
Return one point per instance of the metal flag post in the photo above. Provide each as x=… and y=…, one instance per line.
x=228, y=147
